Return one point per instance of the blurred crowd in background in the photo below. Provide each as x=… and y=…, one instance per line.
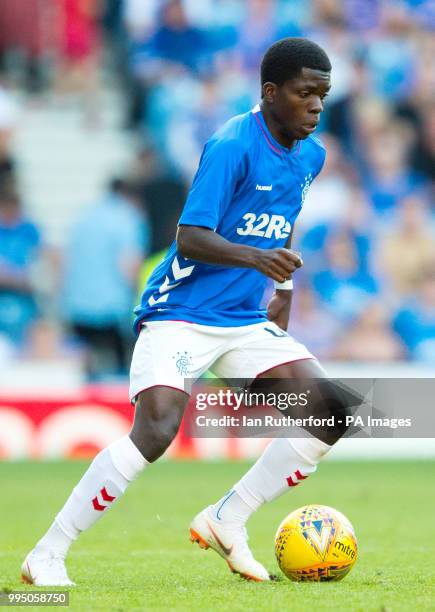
x=367, y=229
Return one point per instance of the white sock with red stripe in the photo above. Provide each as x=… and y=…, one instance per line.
x=102, y=485
x=283, y=465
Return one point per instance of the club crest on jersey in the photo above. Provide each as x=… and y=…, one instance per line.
x=305, y=186
x=183, y=361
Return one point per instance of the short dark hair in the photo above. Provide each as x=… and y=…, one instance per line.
x=285, y=59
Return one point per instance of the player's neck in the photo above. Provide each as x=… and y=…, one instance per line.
x=275, y=128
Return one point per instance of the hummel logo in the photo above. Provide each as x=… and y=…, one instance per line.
x=263, y=187
x=105, y=496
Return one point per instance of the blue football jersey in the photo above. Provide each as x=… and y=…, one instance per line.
x=249, y=189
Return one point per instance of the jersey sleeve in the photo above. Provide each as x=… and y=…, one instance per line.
x=221, y=166
x=320, y=157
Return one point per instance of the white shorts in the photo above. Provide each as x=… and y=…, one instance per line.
x=172, y=353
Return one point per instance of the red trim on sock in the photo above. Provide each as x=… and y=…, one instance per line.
x=296, y=475
x=105, y=495
x=290, y=482
x=97, y=506
x=300, y=476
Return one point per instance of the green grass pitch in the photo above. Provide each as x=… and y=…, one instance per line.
x=138, y=557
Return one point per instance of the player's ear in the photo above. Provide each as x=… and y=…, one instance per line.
x=269, y=92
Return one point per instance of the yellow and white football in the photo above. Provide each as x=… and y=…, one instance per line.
x=315, y=543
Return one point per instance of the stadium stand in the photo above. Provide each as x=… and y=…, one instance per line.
x=147, y=85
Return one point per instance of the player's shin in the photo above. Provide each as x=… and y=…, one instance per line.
x=284, y=464
x=287, y=462
x=105, y=481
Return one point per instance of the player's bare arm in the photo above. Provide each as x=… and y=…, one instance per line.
x=278, y=308
x=204, y=245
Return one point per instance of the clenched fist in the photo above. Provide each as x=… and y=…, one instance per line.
x=278, y=264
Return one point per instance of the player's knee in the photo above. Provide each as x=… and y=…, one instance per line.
x=155, y=437
x=156, y=424
x=165, y=428
x=334, y=404
x=153, y=449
